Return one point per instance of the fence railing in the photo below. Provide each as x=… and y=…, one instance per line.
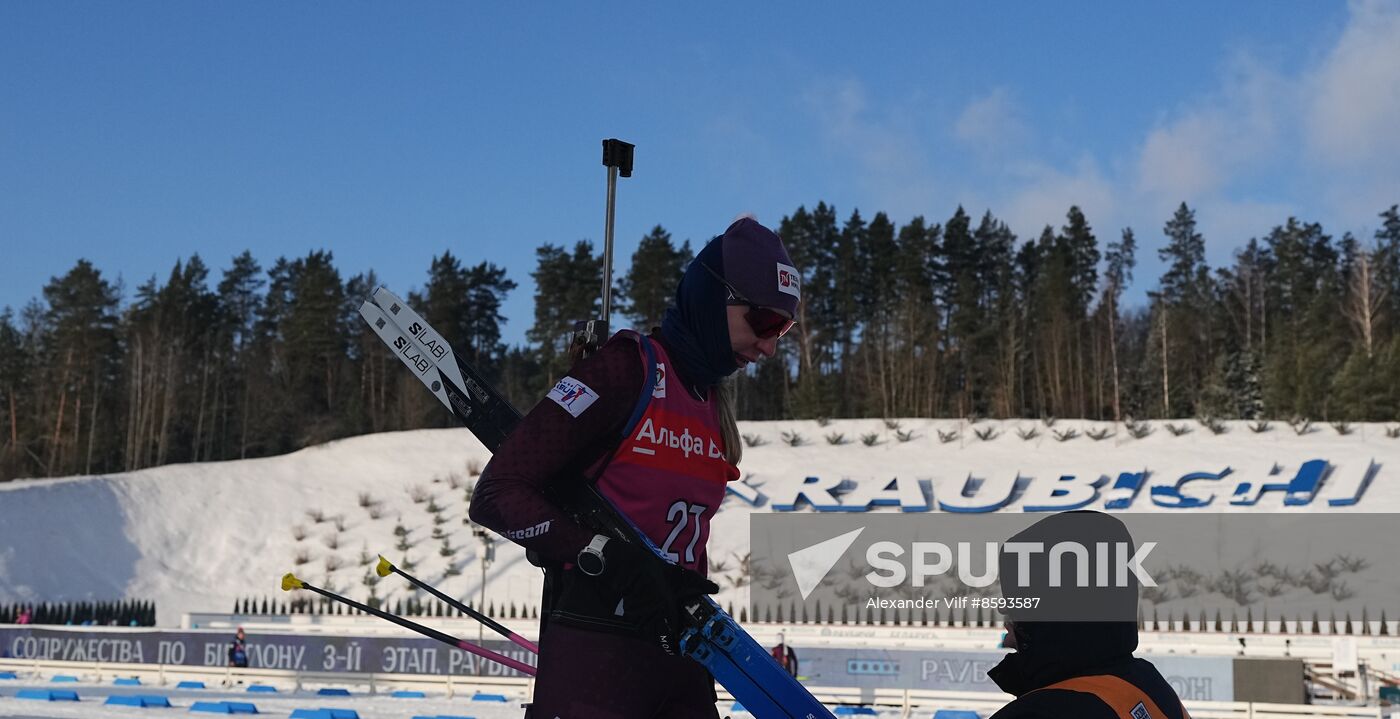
x=254, y=610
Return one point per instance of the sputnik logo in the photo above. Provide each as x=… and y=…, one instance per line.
x=811, y=565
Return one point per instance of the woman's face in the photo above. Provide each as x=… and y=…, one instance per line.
x=747, y=346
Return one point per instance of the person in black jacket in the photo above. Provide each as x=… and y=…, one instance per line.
x=1073, y=654
x=784, y=655
x=238, y=650
x=662, y=458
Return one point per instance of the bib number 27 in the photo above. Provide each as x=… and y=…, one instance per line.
x=678, y=515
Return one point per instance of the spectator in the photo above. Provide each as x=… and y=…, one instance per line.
x=24, y=616
x=1073, y=652
x=785, y=656
x=238, y=650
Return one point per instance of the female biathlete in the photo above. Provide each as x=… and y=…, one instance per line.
x=608, y=642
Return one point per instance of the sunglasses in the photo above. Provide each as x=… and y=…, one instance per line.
x=766, y=322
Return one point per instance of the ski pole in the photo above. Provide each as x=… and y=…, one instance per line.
x=385, y=568
x=290, y=582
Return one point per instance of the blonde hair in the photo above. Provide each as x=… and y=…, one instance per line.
x=729, y=423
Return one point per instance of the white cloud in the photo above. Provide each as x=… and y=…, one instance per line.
x=884, y=145
x=1329, y=132
x=1194, y=155
x=1203, y=148
x=841, y=105
x=1177, y=162
x=1354, y=117
x=1264, y=143
x=991, y=125
x=1047, y=193
x=1352, y=124
x=1228, y=225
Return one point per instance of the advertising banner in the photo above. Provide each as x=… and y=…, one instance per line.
x=291, y=652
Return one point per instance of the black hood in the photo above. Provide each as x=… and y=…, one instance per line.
x=1073, y=630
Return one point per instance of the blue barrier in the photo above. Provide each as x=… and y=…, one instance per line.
x=190, y=685
x=126, y=682
x=956, y=714
x=63, y=678
x=855, y=711
x=8, y=675
x=325, y=713
x=224, y=707
x=480, y=697
x=47, y=695
x=262, y=689
x=126, y=701
x=332, y=692
x=408, y=694
x=154, y=700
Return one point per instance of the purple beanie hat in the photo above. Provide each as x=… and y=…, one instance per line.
x=759, y=267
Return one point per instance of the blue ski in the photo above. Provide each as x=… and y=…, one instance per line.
x=712, y=638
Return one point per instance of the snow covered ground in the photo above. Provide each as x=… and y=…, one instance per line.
x=195, y=537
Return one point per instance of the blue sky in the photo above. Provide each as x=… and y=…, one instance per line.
x=134, y=134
